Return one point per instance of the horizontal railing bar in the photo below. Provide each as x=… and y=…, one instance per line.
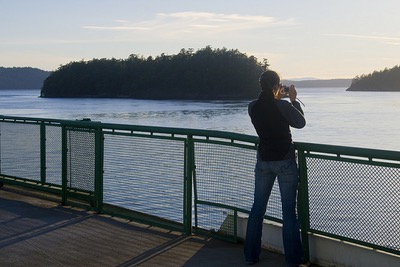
x=227, y=142
x=354, y=241
x=140, y=128
x=349, y=151
x=366, y=161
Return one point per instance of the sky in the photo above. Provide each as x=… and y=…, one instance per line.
x=300, y=39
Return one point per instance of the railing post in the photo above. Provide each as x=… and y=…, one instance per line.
x=303, y=205
x=42, y=152
x=187, y=205
x=64, y=164
x=99, y=157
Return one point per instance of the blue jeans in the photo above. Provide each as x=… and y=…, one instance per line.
x=265, y=174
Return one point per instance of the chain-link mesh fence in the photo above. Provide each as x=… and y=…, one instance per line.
x=145, y=174
x=225, y=178
x=20, y=150
x=81, y=159
x=355, y=201
x=53, y=155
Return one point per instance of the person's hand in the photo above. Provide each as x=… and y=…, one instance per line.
x=292, y=93
x=280, y=92
x=277, y=91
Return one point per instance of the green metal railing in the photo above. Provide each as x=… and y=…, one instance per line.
x=199, y=181
x=351, y=194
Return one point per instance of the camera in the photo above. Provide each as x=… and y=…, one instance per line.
x=286, y=89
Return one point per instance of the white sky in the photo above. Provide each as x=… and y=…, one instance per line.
x=316, y=38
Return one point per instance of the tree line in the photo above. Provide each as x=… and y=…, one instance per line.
x=207, y=74
x=386, y=80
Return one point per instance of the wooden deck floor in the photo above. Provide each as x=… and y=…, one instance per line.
x=40, y=232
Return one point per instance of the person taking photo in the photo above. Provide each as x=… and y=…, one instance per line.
x=272, y=117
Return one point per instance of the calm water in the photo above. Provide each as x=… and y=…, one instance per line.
x=334, y=116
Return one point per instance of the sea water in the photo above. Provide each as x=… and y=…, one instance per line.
x=334, y=116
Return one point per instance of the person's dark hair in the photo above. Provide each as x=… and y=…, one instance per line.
x=269, y=79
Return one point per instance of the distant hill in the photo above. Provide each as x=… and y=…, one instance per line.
x=386, y=80
x=22, y=78
x=319, y=83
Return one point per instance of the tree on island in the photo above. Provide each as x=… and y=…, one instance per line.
x=386, y=80
x=207, y=74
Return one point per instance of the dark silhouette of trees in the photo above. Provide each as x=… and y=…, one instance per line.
x=202, y=75
x=386, y=80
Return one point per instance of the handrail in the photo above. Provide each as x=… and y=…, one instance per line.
x=140, y=128
x=350, y=151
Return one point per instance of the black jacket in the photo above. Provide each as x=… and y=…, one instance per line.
x=271, y=119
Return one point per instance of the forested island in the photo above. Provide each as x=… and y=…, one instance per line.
x=22, y=78
x=207, y=74
x=386, y=80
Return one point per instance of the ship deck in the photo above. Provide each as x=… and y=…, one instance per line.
x=37, y=231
